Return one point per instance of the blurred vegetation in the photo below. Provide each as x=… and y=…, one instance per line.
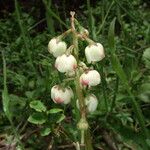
x=28, y=117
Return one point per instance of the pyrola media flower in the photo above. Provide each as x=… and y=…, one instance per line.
x=94, y=52
x=90, y=78
x=57, y=47
x=91, y=103
x=61, y=95
x=66, y=63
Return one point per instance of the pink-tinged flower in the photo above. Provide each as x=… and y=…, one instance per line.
x=94, y=52
x=66, y=63
x=90, y=78
x=56, y=47
x=91, y=103
x=61, y=96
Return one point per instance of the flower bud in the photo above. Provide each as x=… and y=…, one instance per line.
x=91, y=103
x=90, y=78
x=84, y=32
x=70, y=74
x=94, y=52
x=82, y=125
x=66, y=63
x=61, y=96
x=56, y=47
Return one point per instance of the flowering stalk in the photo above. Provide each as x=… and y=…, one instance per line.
x=77, y=80
x=79, y=92
x=67, y=61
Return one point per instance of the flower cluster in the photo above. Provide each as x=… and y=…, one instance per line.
x=66, y=63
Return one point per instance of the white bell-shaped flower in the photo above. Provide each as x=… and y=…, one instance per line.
x=61, y=96
x=91, y=103
x=56, y=47
x=90, y=78
x=94, y=52
x=66, y=63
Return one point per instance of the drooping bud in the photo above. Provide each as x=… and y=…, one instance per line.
x=83, y=124
x=94, y=52
x=90, y=78
x=66, y=63
x=57, y=47
x=91, y=103
x=70, y=74
x=60, y=95
x=84, y=31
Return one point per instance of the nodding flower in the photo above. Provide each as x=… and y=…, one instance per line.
x=61, y=95
x=94, y=52
x=57, y=47
x=91, y=103
x=90, y=78
x=66, y=63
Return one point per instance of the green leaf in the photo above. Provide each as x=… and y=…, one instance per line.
x=54, y=110
x=62, y=117
x=45, y=131
x=145, y=92
x=6, y=102
x=37, y=118
x=148, y=142
x=38, y=106
x=5, y=96
x=128, y=135
x=146, y=57
x=111, y=41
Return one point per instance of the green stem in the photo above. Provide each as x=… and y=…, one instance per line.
x=80, y=96
x=82, y=136
x=82, y=107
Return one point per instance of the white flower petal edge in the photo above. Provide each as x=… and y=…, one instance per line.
x=94, y=53
x=90, y=78
x=61, y=96
x=91, y=103
x=66, y=63
x=57, y=48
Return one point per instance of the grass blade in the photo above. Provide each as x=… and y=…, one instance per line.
x=104, y=20
x=111, y=40
x=133, y=17
x=49, y=19
x=5, y=97
x=24, y=34
x=6, y=103
x=51, y=13
x=121, y=74
x=104, y=86
x=91, y=20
